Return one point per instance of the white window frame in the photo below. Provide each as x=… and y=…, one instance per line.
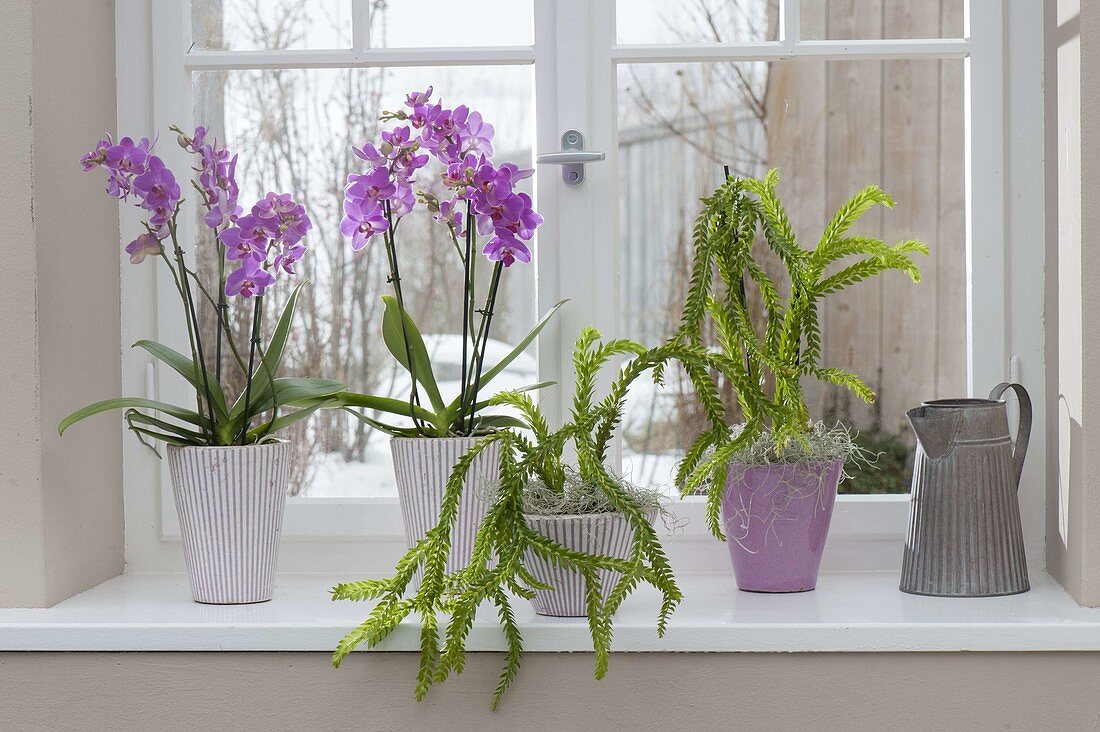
x=575, y=58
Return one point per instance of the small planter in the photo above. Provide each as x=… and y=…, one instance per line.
x=776, y=519
x=422, y=466
x=230, y=502
x=606, y=534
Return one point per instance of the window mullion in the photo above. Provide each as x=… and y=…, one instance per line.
x=790, y=31
x=360, y=25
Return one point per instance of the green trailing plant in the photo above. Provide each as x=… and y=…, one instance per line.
x=534, y=474
x=766, y=365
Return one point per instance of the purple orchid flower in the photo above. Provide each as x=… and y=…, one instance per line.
x=373, y=186
x=286, y=259
x=92, y=160
x=127, y=156
x=223, y=210
x=461, y=140
x=506, y=249
x=157, y=187
x=249, y=238
x=362, y=224
x=142, y=247
x=417, y=98
x=248, y=280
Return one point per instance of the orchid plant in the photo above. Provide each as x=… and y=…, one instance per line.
x=481, y=209
x=253, y=251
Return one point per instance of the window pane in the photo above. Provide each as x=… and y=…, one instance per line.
x=830, y=128
x=293, y=130
x=879, y=19
x=441, y=23
x=696, y=21
x=249, y=25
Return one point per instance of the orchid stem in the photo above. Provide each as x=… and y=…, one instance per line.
x=395, y=280
x=221, y=309
x=467, y=297
x=189, y=304
x=257, y=311
x=487, y=321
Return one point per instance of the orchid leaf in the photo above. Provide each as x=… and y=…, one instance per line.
x=285, y=420
x=180, y=413
x=189, y=370
x=270, y=359
x=386, y=404
x=395, y=337
x=500, y=421
x=452, y=408
x=389, y=429
x=520, y=347
x=194, y=438
x=294, y=392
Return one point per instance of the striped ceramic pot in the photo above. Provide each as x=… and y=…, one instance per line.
x=604, y=534
x=230, y=502
x=422, y=466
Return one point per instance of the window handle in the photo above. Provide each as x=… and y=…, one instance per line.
x=572, y=157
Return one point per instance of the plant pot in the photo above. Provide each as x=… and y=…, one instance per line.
x=423, y=466
x=605, y=534
x=230, y=502
x=776, y=519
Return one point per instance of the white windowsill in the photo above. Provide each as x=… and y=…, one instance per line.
x=850, y=611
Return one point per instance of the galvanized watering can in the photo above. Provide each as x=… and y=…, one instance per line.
x=965, y=538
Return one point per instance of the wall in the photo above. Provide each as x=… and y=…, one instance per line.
x=59, y=303
x=645, y=691
x=1073, y=221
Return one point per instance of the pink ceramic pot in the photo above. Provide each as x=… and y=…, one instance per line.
x=776, y=519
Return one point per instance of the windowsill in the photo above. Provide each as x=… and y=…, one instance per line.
x=850, y=611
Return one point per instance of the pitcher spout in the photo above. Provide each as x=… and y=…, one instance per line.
x=935, y=429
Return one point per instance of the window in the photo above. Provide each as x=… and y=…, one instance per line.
x=835, y=94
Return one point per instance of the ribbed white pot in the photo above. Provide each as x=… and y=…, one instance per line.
x=423, y=465
x=605, y=534
x=230, y=502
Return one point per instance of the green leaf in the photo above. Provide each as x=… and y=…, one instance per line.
x=500, y=421
x=520, y=347
x=185, y=415
x=394, y=336
x=181, y=432
x=271, y=359
x=285, y=420
x=189, y=370
x=389, y=429
x=386, y=404
x=294, y=392
x=273, y=356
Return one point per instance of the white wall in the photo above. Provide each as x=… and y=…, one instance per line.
x=555, y=691
x=61, y=521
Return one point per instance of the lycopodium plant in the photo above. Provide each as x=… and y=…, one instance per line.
x=767, y=365
x=531, y=459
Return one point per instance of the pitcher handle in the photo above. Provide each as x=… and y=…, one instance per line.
x=1019, y=450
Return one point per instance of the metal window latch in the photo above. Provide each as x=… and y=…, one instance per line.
x=572, y=157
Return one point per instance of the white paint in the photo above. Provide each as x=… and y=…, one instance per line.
x=849, y=612
x=575, y=59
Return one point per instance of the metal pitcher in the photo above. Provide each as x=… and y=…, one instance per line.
x=965, y=537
